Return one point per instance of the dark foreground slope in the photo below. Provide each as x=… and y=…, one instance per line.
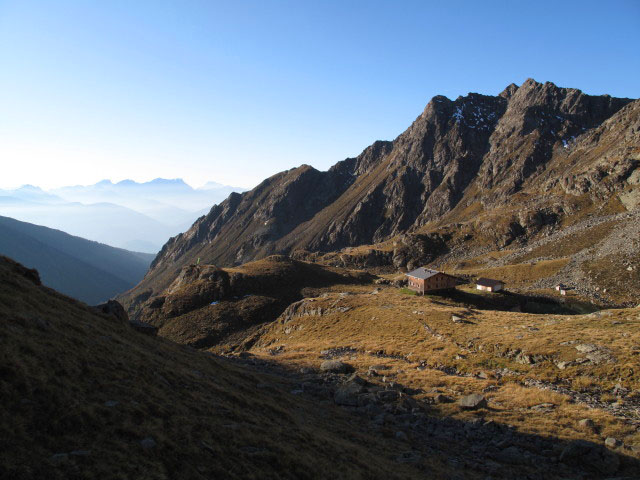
x=84, y=396
x=86, y=270
x=468, y=156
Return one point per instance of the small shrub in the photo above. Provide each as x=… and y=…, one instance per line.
x=408, y=291
x=583, y=383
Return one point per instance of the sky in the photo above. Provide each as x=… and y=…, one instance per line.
x=236, y=91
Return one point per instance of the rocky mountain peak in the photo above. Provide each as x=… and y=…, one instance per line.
x=509, y=91
x=476, y=148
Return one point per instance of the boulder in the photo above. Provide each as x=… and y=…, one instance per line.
x=473, y=402
x=612, y=442
x=388, y=395
x=408, y=457
x=335, y=366
x=513, y=456
x=114, y=309
x=587, y=423
x=148, y=443
x=586, y=348
x=347, y=394
x=563, y=365
x=440, y=398
x=543, y=407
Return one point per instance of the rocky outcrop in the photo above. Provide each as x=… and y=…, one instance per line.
x=413, y=250
x=113, y=309
x=30, y=274
x=207, y=306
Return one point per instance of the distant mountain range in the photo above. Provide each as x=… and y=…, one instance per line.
x=127, y=214
x=83, y=269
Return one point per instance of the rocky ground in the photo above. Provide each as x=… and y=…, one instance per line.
x=512, y=390
x=600, y=253
x=478, y=445
x=623, y=241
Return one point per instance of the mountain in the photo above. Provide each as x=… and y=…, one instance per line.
x=127, y=214
x=89, y=271
x=168, y=200
x=104, y=222
x=28, y=193
x=506, y=168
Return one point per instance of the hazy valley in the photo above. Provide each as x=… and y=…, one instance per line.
x=130, y=215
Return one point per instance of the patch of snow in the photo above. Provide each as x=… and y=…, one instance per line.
x=458, y=115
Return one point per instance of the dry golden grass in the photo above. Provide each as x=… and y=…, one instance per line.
x=518, y=275
x=479, y=261
x=395, y=323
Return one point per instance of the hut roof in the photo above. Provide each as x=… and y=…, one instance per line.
x=423, y=273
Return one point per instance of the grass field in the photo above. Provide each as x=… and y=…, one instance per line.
x=408, y=332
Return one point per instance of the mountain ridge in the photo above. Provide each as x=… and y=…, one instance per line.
x=475, y=149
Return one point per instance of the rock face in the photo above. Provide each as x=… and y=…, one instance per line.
x=476, y=151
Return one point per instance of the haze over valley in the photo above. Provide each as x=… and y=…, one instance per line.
x=135, y=216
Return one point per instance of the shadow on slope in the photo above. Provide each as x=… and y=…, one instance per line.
x=511, y=301
x=85, y=396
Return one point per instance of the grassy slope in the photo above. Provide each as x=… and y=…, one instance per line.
x=415, y=331
x=60, y=363
x=87, y=270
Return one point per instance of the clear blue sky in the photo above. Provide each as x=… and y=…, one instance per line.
x=236, y=91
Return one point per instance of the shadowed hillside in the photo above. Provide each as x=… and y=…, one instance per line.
x=86, y=270
x=85, y=396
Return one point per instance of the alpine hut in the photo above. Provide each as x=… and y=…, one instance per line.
x=424, y=280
